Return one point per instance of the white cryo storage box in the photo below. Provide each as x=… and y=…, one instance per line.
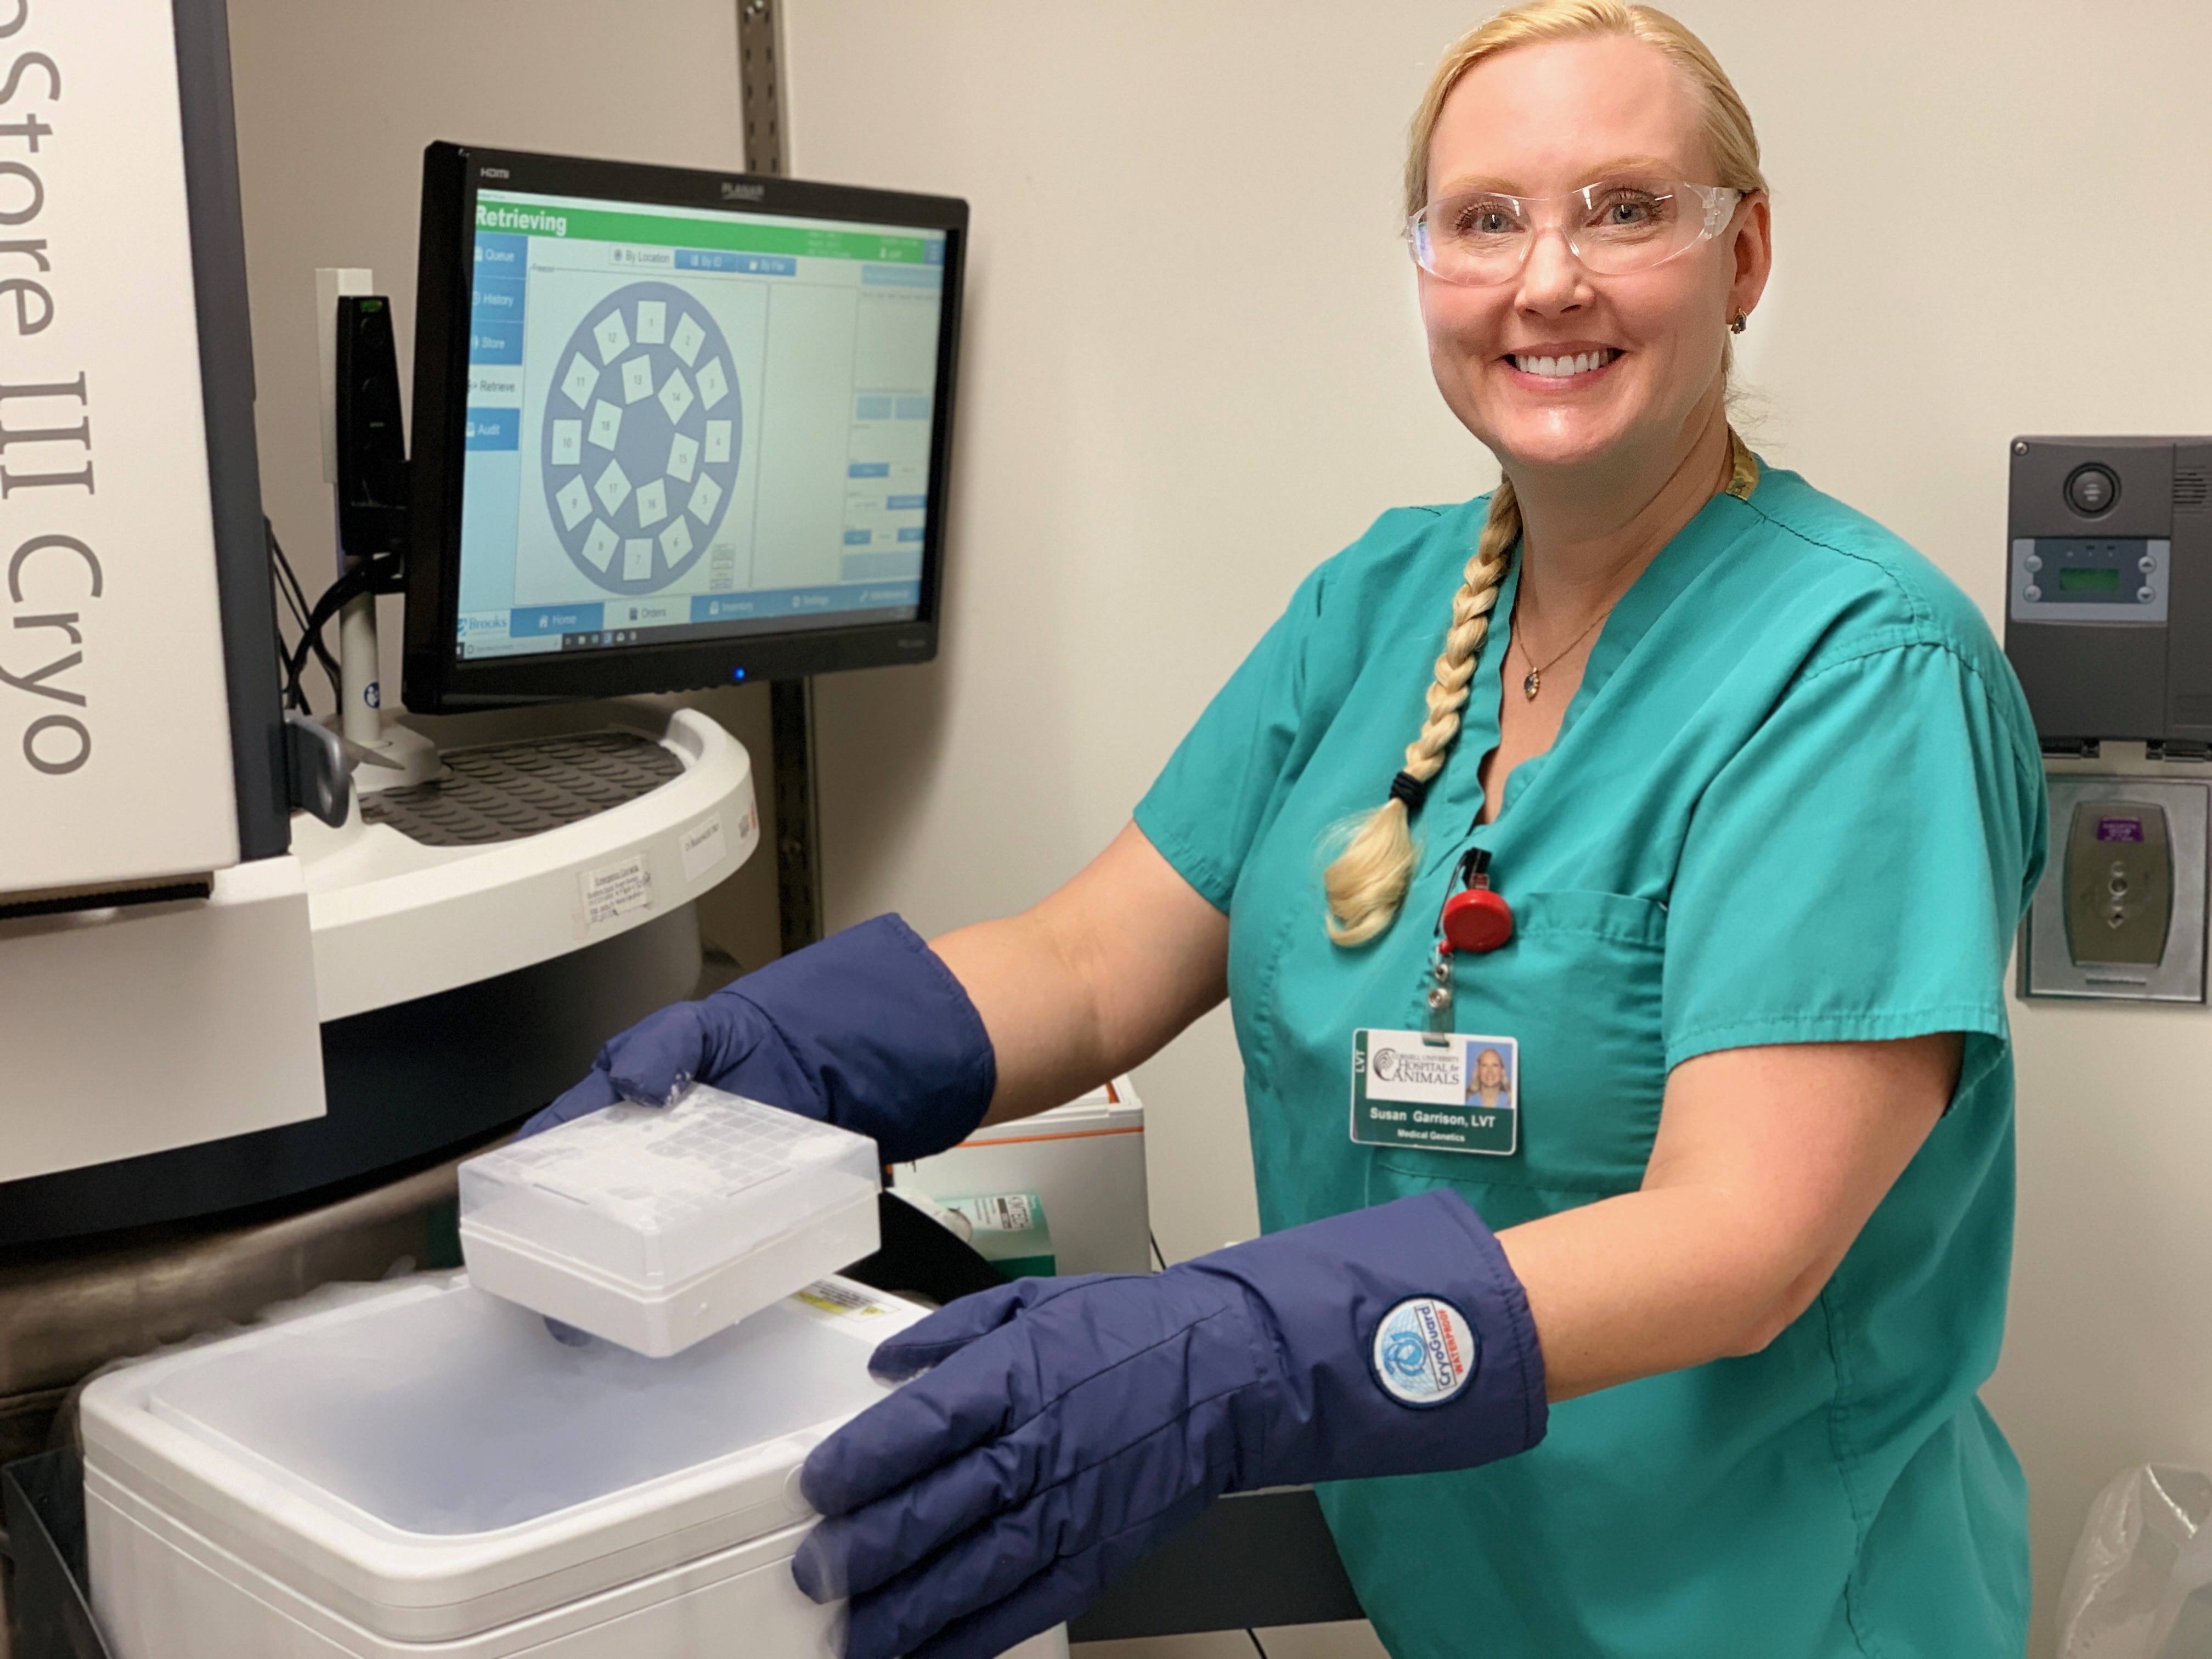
x=656, y=1227
x=429, y=1472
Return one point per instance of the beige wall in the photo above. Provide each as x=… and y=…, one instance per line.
x=1193, y=371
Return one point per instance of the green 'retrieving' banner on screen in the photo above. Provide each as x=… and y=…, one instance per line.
x=596, y=225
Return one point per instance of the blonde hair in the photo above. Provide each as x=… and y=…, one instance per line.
x=1366, y=882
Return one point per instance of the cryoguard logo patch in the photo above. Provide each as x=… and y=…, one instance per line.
x=1424, y=1352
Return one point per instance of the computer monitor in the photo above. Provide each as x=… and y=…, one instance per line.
x=672, y=429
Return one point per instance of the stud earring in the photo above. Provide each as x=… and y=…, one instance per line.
x=1742, y=320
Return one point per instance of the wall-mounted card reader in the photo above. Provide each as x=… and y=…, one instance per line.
x=2108, y=591
x=2119, y=885
x=2120, y=911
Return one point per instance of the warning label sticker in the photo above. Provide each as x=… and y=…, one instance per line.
x=616, y=890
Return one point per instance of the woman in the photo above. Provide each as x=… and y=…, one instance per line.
x=1691, y=1367
x=1489, y=1091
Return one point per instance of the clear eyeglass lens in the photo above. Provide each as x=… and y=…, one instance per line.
x=1614, y=226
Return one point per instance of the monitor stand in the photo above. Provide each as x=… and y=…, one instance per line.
x=361, y=458
x=381, y=753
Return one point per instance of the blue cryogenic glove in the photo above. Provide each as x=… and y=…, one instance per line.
x=1066, y=1426
x=867, y=1030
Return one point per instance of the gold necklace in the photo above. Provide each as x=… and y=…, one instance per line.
x=1743, y=479
x=1533, y=681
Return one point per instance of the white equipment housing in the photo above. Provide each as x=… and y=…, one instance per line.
x=180, y=952
x=394, y=918
x=194, y=1020
x=116, y=762
x=140, y=740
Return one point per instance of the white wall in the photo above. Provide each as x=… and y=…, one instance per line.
x=1193, y=371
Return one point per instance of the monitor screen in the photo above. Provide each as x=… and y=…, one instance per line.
x=676, y=428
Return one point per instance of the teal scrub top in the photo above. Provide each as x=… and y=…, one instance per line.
x=1797, y=799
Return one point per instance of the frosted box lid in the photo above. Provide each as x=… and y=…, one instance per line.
x=656, y=1196
x=460, y=1414
x=430, y=1461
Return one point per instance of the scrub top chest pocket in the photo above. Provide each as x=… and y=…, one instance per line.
x=1578, y=990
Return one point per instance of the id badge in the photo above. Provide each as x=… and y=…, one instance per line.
x=1461, y=1094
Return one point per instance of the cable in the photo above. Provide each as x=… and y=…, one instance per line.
x=1257, y=1647
x=293, y=665
x=383, y=573
x=287, y=579
x=284, y=596
x=294, y=697
x=291, y=603
x=285, y=689
x=1152, y=1239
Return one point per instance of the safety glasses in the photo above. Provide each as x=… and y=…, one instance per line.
x=1614, y=226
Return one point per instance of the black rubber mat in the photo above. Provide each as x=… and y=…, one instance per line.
x=505, y=791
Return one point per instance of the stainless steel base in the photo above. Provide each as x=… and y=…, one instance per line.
x=64, y=1315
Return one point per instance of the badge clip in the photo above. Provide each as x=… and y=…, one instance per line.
x=1476, y=919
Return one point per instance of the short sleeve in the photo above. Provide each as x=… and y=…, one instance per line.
x=1856, y=871
x=1208, y=808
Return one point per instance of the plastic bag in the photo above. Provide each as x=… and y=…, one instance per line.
x=2140, y=1585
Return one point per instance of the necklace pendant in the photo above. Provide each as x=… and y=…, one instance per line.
x=1532, y=684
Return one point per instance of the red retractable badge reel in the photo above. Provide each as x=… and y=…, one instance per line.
x=1476, y=919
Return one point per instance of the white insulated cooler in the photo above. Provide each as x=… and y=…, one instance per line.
x=429, y=1471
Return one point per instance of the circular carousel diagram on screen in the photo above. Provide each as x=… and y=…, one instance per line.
x=642, y=438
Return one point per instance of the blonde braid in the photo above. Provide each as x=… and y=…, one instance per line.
x=1367, y=881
